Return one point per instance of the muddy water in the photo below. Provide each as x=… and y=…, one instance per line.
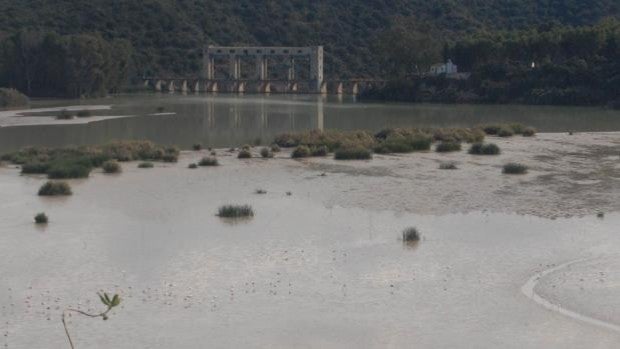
x=229, y=120
x=303, y=273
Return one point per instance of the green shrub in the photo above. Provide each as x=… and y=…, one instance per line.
x=111, y=166
x=55, y=188
x=275, y=148
x=145, y=165
x=244, y=154
x=11, y=98
x=208, y=161
x=84, y=113
x=35, y=168
x=246, y=147
x=505, y=132
x=447, y=146
x=514, y=168
x=197, y=146
x=516, y=128
x=469, y=135
x=213, y=153
x=447, y=166
x=260, y=191
x=301, y=151
x=235, y=211
x=192, y=166
x=484, y=149
x=529, y=132
x=69, y=169
x=266, y=153
x=352, y=153
x=404, y=142
x=411, y=234
x=491, y=129
x=64, y=115
x=41, y=218
x=319, y=151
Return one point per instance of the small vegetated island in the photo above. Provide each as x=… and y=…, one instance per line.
x=78, y=162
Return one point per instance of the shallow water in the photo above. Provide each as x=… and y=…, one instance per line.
x=302, y=273
x=232, y=120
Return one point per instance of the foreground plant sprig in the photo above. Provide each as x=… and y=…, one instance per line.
x=110, y=303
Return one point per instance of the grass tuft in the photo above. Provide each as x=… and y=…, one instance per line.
x=352, y=153
x=235, y=211
x=529, y=132
x=41, y=218
x=484, y=149
x=266, y=153
x=514, y=168
x=55, y=189
x=111, y=166
x=448, y=146
x=411, y=234
x=244, y=154
x=301, y=151
x=145, y=164
x=85, y=113
x=448, y=166
x=505, y=131
x=208, y=161
x=64, y=115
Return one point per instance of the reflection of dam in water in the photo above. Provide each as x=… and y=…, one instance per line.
x=233, y=120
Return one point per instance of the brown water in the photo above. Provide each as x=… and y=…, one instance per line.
x=230, y=120
x=303, y=273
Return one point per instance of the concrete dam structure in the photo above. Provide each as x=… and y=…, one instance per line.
x=257, y=77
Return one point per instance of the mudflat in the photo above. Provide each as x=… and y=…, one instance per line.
x=321, y=264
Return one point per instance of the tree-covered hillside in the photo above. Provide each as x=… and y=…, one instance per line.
x=168, y=35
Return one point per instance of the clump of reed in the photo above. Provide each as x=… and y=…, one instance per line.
x=529, y=132
x=266, y=153
x=514, y=168
x=111, y=166
x=302, y=151
x=235, y=211
x=78, y=162
x=41, y=218
x=448, y=146
x=484, y=149
x=146, y=164
x=53, y=188
x=353, y=153
x=448, y=166
x=64, y=115
x=402, y=141
x=208, y=161
x=244, y=154
x=84, y=113
x=411, y=234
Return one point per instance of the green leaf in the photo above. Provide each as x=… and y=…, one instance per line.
x=116, y=300
x=107, y=298
x=103, y=300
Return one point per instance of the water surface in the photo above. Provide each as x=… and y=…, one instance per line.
x=232, y=120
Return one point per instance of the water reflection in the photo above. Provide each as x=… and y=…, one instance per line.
x=231, y=120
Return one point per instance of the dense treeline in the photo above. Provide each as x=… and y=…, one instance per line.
x=168, y=35
x=546, y=65
x=46, y=64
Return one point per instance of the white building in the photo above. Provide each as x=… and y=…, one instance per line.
x=444, y=68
